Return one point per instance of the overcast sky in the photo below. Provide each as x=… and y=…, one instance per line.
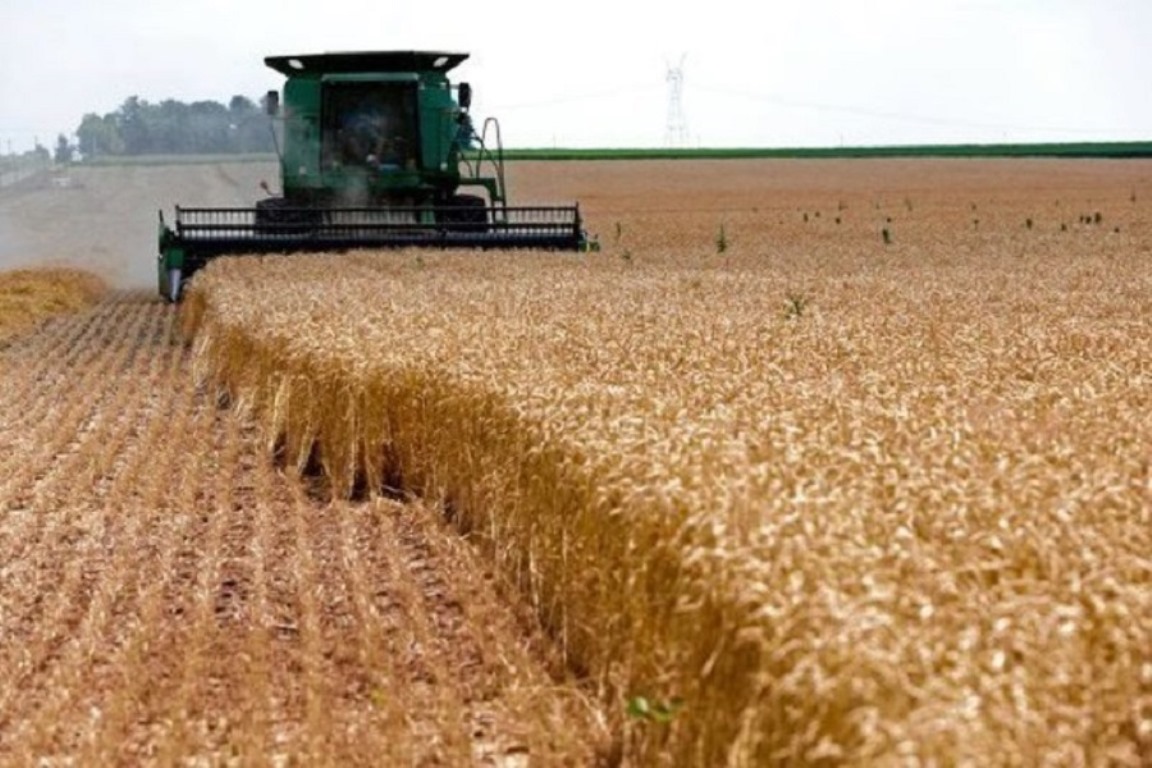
x=593, y=72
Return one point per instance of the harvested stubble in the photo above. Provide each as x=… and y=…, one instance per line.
x=28, y=296
x=168, y=598
x=909, y=523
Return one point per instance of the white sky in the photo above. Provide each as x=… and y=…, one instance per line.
x=592, y=72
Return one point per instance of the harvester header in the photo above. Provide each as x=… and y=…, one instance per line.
x=377, y=149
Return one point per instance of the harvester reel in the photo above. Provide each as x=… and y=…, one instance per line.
x=279, y=216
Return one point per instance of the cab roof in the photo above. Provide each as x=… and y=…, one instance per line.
x=365, y=61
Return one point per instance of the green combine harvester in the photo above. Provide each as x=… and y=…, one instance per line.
x=375, y=152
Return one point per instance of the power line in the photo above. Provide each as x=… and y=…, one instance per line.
x=574, y=98
x=880, y=114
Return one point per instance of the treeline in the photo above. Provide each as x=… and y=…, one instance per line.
x=173, y=127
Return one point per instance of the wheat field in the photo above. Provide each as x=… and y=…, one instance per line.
x=813, y=463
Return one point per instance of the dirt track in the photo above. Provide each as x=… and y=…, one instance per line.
x=104, y=219
x=165, y=593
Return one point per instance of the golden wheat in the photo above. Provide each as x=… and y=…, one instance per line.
x=811, y=497
x=910, y=521
x=27, y=296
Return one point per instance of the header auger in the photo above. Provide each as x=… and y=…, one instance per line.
x=377, y=151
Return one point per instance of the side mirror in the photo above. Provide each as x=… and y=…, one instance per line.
x=272, y=103
x=465, y=95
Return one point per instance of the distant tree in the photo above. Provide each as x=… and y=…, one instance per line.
x=208, y=123
x=99, y=136
x=174, y=127
x=132, y=121
x=251, y=128
x=63, y=154
x=169, y=126
x=241, y=106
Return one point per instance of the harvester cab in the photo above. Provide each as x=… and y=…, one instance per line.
x=376, y=150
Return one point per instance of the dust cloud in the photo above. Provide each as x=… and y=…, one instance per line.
x=9, y=244
x=104, y=219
